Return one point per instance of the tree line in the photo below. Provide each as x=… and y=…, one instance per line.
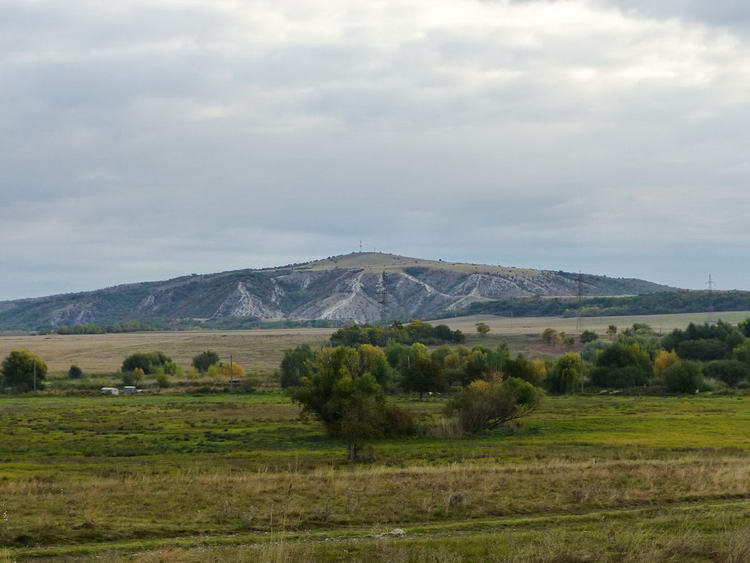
x=411, y=333
x=659, y=303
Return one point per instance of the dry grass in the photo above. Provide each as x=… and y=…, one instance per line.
x=255, y=350
x=506, y=326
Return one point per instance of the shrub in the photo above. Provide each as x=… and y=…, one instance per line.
x=731, y=372
x=684, y=377
x=484, y=405
x=588, y=336
x=75, y=372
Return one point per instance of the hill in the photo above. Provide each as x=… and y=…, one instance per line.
x=359, y=287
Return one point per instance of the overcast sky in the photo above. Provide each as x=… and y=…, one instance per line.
x=145, y=139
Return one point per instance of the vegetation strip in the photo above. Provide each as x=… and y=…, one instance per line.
x=413, y=531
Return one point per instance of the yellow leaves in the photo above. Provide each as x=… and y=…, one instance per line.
x=663, y=361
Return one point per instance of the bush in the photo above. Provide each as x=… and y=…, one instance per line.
x=484, y=405
x=588, y=336
x=731, y=372
x=684, y=377
x=75, y=372
x=205, y=360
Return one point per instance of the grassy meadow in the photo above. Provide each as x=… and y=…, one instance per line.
x=185, y=476
x=237, y=477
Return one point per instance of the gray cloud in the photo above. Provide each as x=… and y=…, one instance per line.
x=150, y=139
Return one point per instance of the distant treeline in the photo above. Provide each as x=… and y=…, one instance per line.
x=185, y=324
x=647, y=304
x=411, y=333
x=125, y=326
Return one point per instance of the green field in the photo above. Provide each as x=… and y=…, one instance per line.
x=242, y=477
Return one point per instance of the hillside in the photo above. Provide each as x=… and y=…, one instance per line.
x=360, y=287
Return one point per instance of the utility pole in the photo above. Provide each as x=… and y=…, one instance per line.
x=710, y=283
x=579, y=284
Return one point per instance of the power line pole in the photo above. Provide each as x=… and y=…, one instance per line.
x=579, y=284
x=710, y=283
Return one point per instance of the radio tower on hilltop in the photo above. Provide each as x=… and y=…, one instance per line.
x=710, y=284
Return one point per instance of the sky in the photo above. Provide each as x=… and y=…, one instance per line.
x=146, y=139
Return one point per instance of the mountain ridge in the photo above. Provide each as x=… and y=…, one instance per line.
x=357, y=287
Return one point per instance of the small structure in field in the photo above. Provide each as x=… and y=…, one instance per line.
x=114, y=391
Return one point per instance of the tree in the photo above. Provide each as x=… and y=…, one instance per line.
x=611, y=331
x=351, y=404
x=742, y=352
x=149, y=362
x=587, y=336
x=684, y=377
x=704, y=350
x=424, y=375
x=731, y=372
x=663, y=360
x=622, y=365
x=548, y=336
x=295, y=365
x=227, y=371
x=205, y=360
x=483, y=329
x=567, y=374
x=23, y=371
x=485, y=405
x=75, y=372
x=522, y=368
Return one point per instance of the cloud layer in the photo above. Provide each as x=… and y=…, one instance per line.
x=145, y=139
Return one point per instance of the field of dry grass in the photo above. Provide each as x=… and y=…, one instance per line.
x=260, y=351
x=256, y=350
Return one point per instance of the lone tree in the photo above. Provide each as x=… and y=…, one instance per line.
x=23, y=371
x=349, y=402
x=485, y=405
x=205, y=360
x=75, y=372
x=483, y=329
